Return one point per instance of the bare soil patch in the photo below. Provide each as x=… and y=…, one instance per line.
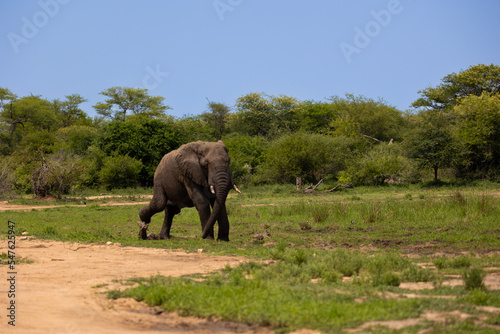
x=5, y=206
x=60, y=292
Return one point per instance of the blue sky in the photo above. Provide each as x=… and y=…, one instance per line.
x=190, y=50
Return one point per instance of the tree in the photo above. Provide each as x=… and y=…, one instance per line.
x=268, y=116
x=120, y=171
x=478, y=130
x=317, y=116
x=6, y=98
x=64, y=170
x=7, y=179
x=69, y=111
x=473, y=81
x=124, y=100
x=430, y=142
x=246, y=152
x=363, y=117
x=76, y=139
x=217, y=118
x=193, y=128
x=30, y=111
x=377, y=165
x=141, y=138
x=305, y=155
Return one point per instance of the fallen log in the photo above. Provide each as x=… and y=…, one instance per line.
x=343, y=186
x=311, y=188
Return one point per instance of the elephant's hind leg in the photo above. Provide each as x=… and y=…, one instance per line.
x=170, y=212
x=157, y=204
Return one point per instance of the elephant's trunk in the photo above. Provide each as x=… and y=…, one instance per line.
x=221, y=186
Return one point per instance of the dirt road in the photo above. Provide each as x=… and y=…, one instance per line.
x=59, y=291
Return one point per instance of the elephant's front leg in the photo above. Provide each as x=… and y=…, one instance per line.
x=204, y=212
x=170, y=212
x=202, y=204
x=223, y=225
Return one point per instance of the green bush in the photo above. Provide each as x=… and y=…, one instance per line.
x=6, y=177
x=306, y=155
x=463, y=261
x=246, y=152
x=77, y=138
x=143, y=139
x=474, y=278
x=120, y=172
x=379, y=164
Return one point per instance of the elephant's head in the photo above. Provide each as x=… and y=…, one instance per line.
x=207, y=164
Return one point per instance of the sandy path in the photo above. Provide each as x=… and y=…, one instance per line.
x=57, y=293
x=4, y=206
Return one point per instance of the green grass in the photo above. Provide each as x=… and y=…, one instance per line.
x=4, y=259
x=305, y=289
x=317, y=240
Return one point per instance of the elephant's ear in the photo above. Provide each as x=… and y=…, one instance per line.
x=189, y=163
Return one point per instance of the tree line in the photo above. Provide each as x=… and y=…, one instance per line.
x=53, y=147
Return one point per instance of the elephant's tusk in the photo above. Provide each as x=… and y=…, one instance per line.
x=212, y=190
x=236, y=188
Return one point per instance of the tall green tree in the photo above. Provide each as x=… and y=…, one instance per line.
x=246, y=152
x=317, y=116
x=69, y=112
x=269, y=116
x=378, y=165
x=6, y=99
x=306, y=155
x=6, y=96
x=216, y=118
x=364, y=117
x=64, y=171
x=141, y=138
x=28, y=113
x=76, y=139
x=431, y=142
x=473, y=81
x=193, y=128
x=123, y=101
x=478, y=130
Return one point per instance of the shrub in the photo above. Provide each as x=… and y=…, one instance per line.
x=246, y=152
x=6, y=177
x=77, y=138
x=379, y=164
x=120, y=172
x=306, y=155
x=474, y=278
x=65, y=170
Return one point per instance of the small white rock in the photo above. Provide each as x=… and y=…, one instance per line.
x=109, y=243
x=201, y=250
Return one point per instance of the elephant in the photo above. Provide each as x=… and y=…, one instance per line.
x=196, y=174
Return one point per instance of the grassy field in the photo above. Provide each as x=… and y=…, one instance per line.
x=332, y=260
